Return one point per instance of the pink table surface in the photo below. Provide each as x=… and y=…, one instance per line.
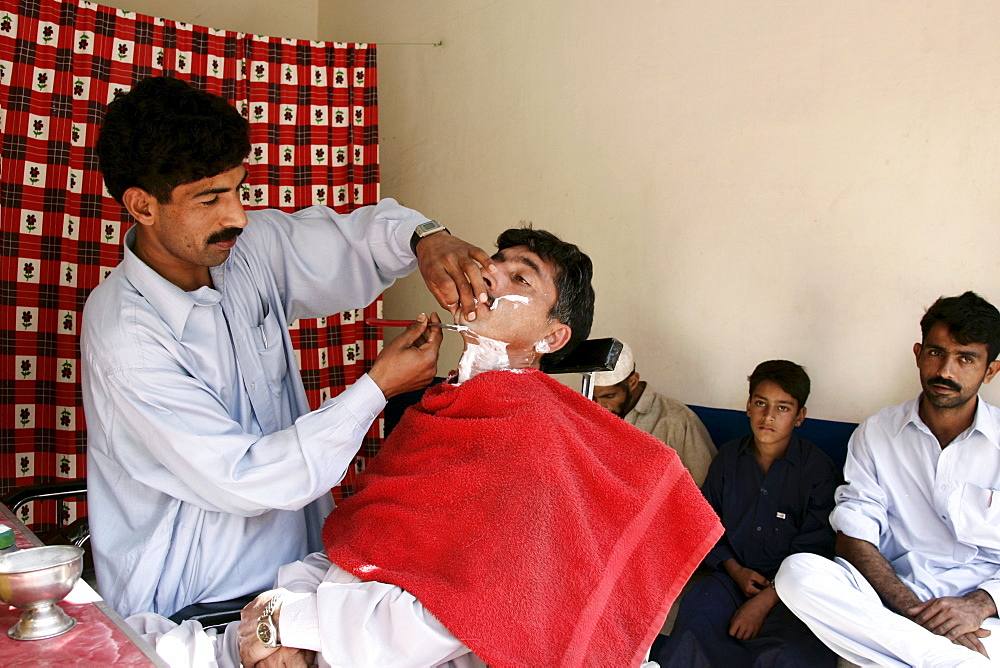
x=100, y=638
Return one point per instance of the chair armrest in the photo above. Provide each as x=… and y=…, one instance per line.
x=45, y=490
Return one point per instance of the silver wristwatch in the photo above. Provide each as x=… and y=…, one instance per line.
x=267, y=630
x=424, y=230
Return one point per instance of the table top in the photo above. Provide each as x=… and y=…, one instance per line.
x=100, y=637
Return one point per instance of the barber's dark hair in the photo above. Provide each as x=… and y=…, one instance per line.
x=573, y=274
x=970, y=319
x=164, y=133
x=789, y=376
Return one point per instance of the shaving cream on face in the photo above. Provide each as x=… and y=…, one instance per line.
x=516, y=300
x=485, y=354
x=542, y=347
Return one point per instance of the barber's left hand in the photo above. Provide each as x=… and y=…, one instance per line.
x=409, y=361
x=449, y=267
x=252, y=650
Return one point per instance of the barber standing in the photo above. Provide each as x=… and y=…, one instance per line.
x=207, y=471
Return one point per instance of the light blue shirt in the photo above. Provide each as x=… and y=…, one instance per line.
x=933, y=513
x=206, y=470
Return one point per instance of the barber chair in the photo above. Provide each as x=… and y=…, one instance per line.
x=76, y=533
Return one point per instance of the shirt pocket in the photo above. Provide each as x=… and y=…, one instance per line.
x=777, y=541
x=977, y=516
x=270, y=346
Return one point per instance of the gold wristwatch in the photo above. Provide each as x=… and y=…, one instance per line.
x=267, y=629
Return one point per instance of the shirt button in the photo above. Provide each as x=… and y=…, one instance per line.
x=764, y=492
x=758, y=528
x=253, y=386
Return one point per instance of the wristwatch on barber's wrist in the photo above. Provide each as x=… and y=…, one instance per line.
x=267, y=627
x=425, y=230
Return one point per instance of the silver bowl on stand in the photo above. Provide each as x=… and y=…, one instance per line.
x=35, y=580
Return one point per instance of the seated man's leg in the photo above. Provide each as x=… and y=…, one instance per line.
x=845, y=612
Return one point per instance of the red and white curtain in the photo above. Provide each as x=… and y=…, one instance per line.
x=314, y=133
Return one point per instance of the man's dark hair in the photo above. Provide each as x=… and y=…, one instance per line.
x=164, y=133
x=970, y=319
x=789, y=376
x=573, y=274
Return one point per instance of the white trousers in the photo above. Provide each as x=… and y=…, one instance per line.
x=845, y=612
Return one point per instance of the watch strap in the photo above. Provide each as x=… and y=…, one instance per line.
x=424, y=230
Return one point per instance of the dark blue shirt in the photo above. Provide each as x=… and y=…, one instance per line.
x=768, y=517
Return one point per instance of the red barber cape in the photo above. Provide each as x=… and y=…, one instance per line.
x=538, y=527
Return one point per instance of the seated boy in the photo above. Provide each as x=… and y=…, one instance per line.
x=774, y=493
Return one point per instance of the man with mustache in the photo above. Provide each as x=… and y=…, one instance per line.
x=206, y=469
x=917, y=573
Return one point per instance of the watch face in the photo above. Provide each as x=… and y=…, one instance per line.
x=429, y=226
x=265, y=632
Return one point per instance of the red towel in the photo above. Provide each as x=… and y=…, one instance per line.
x=539, y=528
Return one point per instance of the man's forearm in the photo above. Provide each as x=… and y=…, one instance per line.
x=869, y=561
x=984, y=600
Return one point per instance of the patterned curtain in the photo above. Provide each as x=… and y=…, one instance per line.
x=314, y=131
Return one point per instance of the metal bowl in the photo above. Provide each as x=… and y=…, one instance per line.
x=35, y=580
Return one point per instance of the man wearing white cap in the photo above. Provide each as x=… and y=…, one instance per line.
x=622, y=393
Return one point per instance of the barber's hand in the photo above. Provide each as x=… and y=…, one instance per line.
x=449, y=267
x=288, y=657
x=409, y=361
x=957, y=618
x=252, y=650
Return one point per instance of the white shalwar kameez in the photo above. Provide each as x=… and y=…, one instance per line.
x=933, y=513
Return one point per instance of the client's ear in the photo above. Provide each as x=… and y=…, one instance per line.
x=558, y=336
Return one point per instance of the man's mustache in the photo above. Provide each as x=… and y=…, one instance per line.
x=947, y=383
x=225, y=235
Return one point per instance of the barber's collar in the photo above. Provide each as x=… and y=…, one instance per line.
x=171, y=303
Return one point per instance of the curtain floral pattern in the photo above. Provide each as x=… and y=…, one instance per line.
x=314, y=133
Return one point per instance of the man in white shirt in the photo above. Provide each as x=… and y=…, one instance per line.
x=206, y=469
x=624, y=394
x=917, y=575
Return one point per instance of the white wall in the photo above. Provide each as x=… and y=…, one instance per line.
x=288, y=18
x=753, y=180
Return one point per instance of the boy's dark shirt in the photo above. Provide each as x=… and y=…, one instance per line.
x=799, y=485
